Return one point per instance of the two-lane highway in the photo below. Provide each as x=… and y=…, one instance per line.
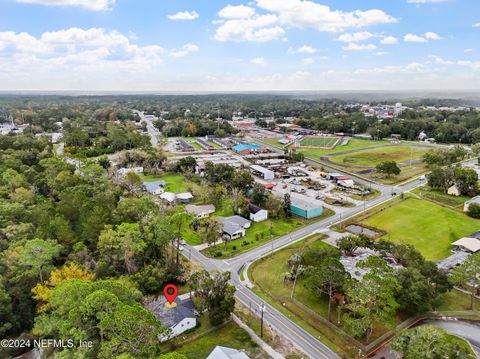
x=299, y=337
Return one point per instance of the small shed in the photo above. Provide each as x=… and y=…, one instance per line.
x=453, y=191
x=257, y=214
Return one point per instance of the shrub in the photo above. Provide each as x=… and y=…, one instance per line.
x=218, y=254
x=474, y=210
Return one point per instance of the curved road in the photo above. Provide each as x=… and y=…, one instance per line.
x=303, y=340
x=298, y=336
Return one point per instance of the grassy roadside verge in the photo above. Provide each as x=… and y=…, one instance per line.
x=259, y=234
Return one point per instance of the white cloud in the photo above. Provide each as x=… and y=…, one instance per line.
x=303, y=50
x=259, y=61
x=81, y=53
x=258, y=28
x=308, y=61
x=242, y=23
x=468, y=50
x=306, y=13
x=381, y=53
x=94, y=5
x=184, y=16
x=414, y=38
x=355, y=37
x=389, y=40
x=424, y=1
x=185, y=50
x=440, y=61
x=236, y=12
x=477, y=24
x=421, y=38
x=432, y=36
x=471, y=64
x=359, y=47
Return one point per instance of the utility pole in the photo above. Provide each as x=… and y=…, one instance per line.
x=262, y=310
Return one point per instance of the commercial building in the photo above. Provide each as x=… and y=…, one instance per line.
x=265, y=173
x=305, y=207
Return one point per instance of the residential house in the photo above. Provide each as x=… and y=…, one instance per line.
x=257, y=214
x=156, y=187
x=124, y=170
x=467, y=244
x=178, y=317
x=201, y=211
x=235, y=226
x=185, y=197
x=226, y=353
x=170, y=197
x=471, y=201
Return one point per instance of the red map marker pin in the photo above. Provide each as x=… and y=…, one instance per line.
x=170, y=291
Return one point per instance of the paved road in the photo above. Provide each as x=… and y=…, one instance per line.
x=151, y=129
x=303, y=340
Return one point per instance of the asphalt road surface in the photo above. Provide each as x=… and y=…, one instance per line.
x=302, y=340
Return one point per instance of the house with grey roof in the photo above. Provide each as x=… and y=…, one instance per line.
x=177, y=319
x=467, y=204
x=226, y=353
x=234, y=226
x=200, y=211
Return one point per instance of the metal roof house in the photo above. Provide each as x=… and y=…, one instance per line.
x=200, y=211
x=178, y=319
x=156, y=187
x=235, y=226
x=257, y=214
x=227, y=353
x=471, y=201
x=467, y=244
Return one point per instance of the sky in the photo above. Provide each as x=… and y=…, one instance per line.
x=239, y=45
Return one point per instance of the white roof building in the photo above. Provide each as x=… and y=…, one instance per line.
x=201, y=211
x=123, y=171
x=168, y=196
x=467, y=244
x=227, y=353
x=471, y=201
x=265, y=172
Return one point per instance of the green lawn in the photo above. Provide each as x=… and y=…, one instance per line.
x=229, y=335
x=371, y=158
x=430, y=228
x=258, y=234
x=314, y=153
x=456, y=300
x=267, y=275
x=174, y=182
x=443, y=198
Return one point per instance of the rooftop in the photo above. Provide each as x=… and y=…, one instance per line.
x=226, y=353
x=471, y=244
x=172, y=316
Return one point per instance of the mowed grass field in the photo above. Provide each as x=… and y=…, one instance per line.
x=316, y=153
x=319, y=141
x=174, y=183
x=371, y=158
x=430, y=228
x=229, y=335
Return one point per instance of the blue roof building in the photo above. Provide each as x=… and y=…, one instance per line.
x=246, y=146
